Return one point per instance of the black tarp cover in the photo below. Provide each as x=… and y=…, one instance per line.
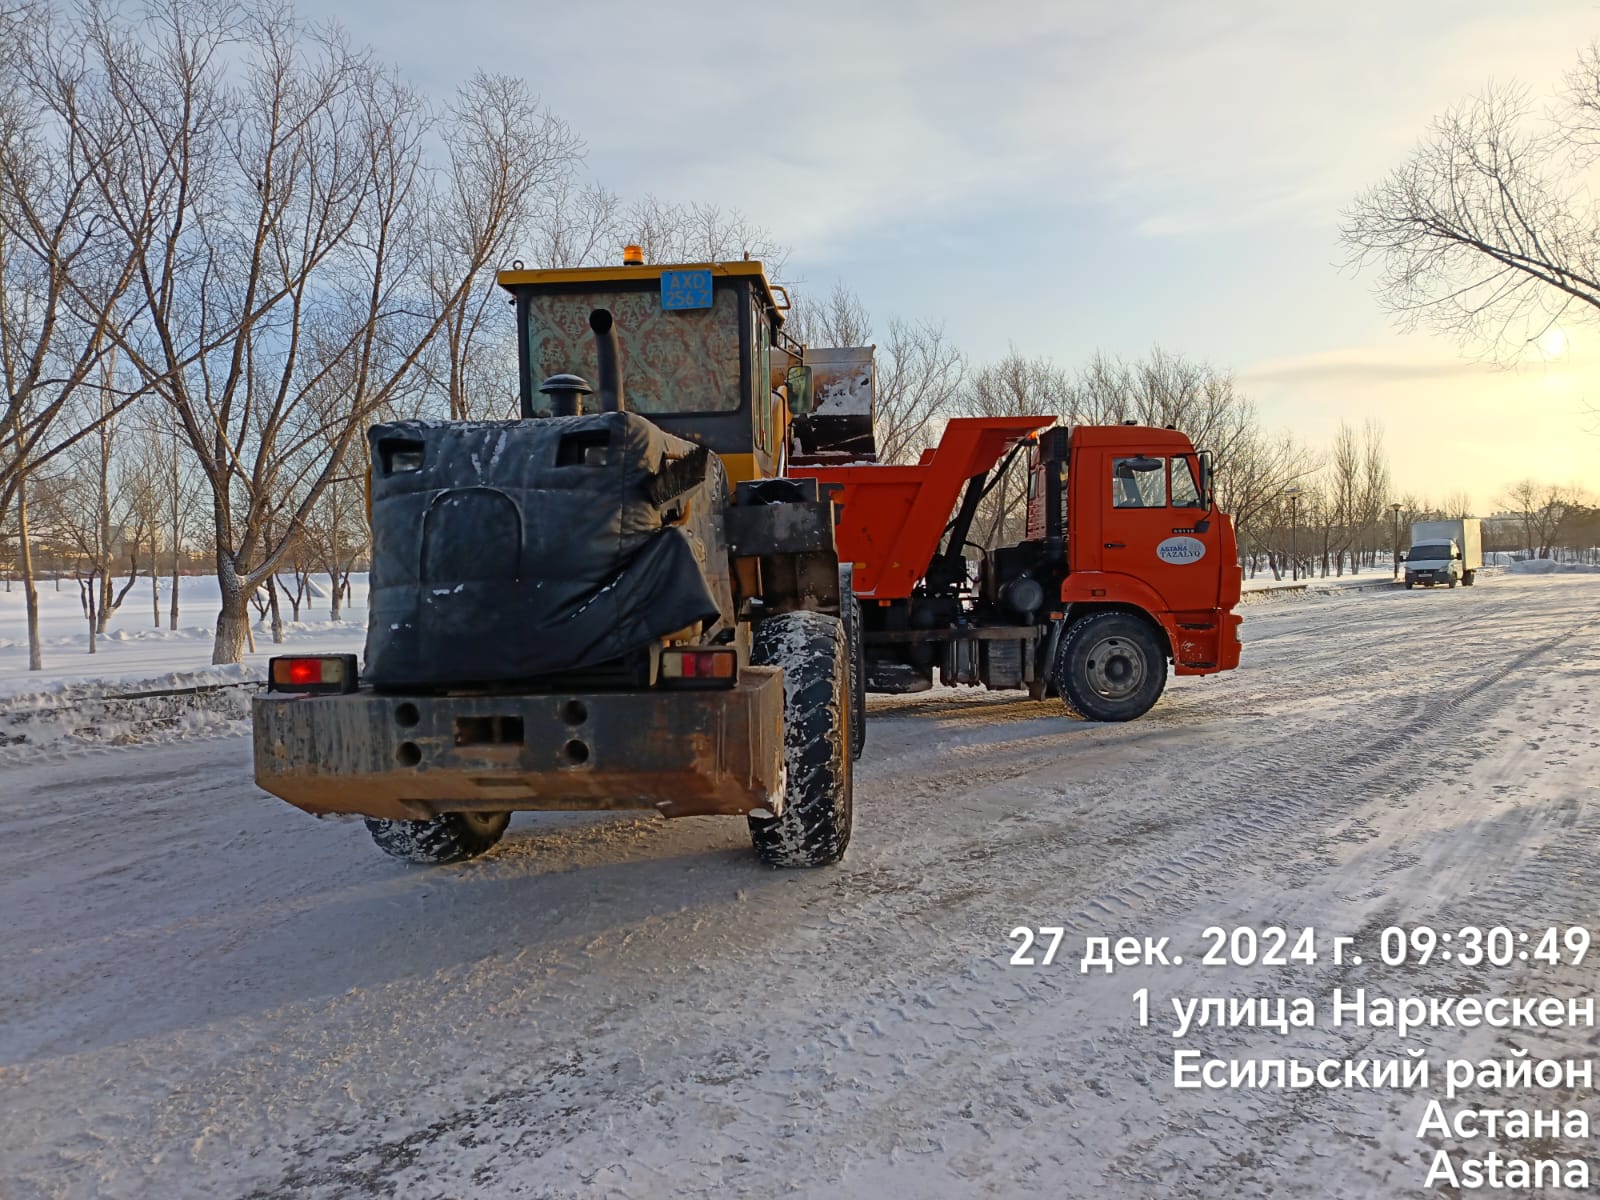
x=507, y=550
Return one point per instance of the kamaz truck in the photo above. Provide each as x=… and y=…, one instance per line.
x=1126, y=565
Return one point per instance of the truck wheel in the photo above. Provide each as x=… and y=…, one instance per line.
x=1410, y=583
x=1110, y=667
x=1467, y=578
x=813, y=651
x=1452, y=581
x=449, y=838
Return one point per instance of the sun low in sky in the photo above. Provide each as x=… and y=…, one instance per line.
x=1067, y=178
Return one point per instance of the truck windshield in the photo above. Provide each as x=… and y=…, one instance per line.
x=1431, y=552
x=684, y=361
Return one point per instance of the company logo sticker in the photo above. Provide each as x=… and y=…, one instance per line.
x=1181, y=551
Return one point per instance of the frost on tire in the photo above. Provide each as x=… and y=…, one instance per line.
x=1111, y=667
x=445, y=839
x=814, y=828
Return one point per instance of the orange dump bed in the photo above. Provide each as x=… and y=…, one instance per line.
x=894, y=517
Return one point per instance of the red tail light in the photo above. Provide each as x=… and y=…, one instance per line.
x=700, y=666
x=312, y=673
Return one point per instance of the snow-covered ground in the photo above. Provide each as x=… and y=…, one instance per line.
x=136, y=652
x=205, y=993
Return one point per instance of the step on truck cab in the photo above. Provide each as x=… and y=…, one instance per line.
x=1126, y=565
x=614, y=601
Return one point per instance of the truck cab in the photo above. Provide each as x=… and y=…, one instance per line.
x=1433, y=563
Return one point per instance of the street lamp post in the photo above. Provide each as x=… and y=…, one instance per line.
x=1395, y=509
x=1294, y=532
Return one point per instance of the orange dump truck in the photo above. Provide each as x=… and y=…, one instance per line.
x=1127, y=564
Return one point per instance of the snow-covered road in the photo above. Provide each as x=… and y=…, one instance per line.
x=206, y=993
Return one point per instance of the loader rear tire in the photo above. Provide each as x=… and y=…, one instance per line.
x=813, y=649
x=1110, y=667
x=449, y=838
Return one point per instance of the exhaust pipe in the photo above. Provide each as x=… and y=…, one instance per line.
x=605, y=344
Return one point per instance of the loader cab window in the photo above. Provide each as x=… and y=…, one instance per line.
x=1139, y=482
x=1185, y=492
x=687, y=361
x=761, y=373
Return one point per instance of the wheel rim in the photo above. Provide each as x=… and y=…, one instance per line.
x=481, y=822
x=1114, y=668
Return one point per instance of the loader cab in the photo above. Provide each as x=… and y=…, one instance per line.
x=702, y=348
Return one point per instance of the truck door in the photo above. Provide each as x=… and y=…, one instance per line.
x=1155, y=529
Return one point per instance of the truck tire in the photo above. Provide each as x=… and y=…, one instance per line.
x=1410, y=583
x=1467, y=577
x=813, y=650
x=451, y=837
x=1452, y=581
x=1110, y=667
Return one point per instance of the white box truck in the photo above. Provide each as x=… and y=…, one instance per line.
x=1447, y=552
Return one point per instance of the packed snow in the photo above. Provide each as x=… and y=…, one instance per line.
x=207, y=993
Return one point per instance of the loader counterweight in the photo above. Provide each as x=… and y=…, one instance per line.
x=688, y=753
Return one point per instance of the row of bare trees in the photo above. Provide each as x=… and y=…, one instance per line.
x=923, y=378
x=229, y=241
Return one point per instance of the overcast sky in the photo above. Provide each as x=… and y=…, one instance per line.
x=1072, y=176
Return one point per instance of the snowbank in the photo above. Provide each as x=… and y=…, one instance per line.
x=1545, y=566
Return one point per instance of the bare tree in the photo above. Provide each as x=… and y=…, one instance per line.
x=507, y=156
x=1013, y=386
x=838, y=319
x=296, y=254
x=1545, y=509
x=62, y=270
x=1488, y=233
x=669, y=232
x=577, y=225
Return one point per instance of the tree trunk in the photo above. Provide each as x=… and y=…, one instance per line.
x=277, y=612
x=155, y=593
x=177, y=532
x=89, y=595
x=233, y=619
x=29, y=592
x=103, y=535
x=336, y=603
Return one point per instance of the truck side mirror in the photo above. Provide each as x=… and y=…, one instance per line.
x=1207, y=480
x=1402, y=557
x=798, y=385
